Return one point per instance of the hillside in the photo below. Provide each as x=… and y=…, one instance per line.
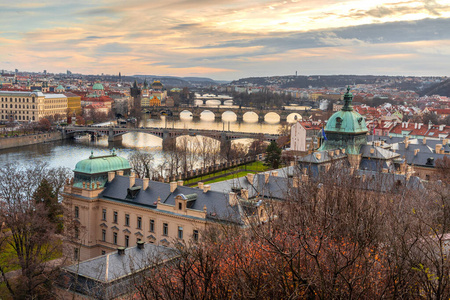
x=442, y=89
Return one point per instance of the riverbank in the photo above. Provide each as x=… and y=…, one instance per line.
x=29, y=139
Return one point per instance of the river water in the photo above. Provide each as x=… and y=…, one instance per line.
x=67, y=153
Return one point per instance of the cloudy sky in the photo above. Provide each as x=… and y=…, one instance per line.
x=227, y=39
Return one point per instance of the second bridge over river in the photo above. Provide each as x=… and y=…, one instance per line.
x=166, y=134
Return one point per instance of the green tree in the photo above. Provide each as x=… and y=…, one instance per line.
x=46, y=195
x=273, y=155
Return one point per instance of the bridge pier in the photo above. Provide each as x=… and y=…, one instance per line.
x=112, y=137
x=168, y=142
x=261, y=118
x=283, y=118
x=218, y=117
x=239, y=117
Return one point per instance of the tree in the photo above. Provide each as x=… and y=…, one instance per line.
x=45, y=195
x=430, y=117
x=29, y=233
x=44, y=124
x=273, y=155
x=141, y=162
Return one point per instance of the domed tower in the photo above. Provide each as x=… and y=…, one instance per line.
x=98, y=89
x=94, y=170
x=346, y=129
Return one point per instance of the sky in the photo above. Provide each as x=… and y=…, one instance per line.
x=227, y=39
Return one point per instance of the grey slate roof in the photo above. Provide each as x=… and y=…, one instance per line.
x=379, y=153
x=112, y=266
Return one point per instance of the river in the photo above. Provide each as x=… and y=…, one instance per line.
x=67, y=153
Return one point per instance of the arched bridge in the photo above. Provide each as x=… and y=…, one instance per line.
x=218, y=111
x=166, y=134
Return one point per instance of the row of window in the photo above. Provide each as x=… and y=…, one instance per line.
x=20, y=100
x=180, y=234
x=6, y=117
x=15, y=106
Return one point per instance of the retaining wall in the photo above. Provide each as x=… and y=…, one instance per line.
x=31, y=139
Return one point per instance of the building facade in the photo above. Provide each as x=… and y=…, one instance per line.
x=30, y=106
x=111, y=208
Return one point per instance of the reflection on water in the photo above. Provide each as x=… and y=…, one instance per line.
x=68, y=152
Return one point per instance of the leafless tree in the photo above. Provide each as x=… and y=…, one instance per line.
x=142, y=163
x=28, y=231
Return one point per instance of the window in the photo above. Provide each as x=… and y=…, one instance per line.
x=103, y=235
x=180, y=232
x=77, y=232
x=115, y=238
x=165, y=228
x=104, y=214
x=127, y=220
x=195, y=235
x=139, y=222
x=127, y=240
x=76, y=254
x=152, y=225
x=77, y=212
x=180, y=205
x=103, y=252
x=115, y=217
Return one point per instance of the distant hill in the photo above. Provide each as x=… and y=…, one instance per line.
x=333, y=81
x=178, y=81
x=442, y=89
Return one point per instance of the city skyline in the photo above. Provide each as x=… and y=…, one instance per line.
x=227, y=40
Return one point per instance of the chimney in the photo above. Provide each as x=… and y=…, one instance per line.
x=318, y=156
x=415, y=125
x=200, y=185
x=121, y=250
x=266, y=177
x=438, y=148
x=406, y=144
x=180, y=182
x=232, y=200
x=206, y=188
x=140, y=245
x=384, y=170
x=295, y=182
x=420, y=125
x=250, y=177
x=173, y=186
x=275, y=173
x=343, y=151
x=145, y=183
x=111, y=176
x=372, y=150
x=244, y=194
x=120, y=173
x=416, y=151
x=132, y=179
x=424, y=141
x=444, y=142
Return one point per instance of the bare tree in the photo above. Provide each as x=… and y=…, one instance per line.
x=29, y=232
x=142, y=163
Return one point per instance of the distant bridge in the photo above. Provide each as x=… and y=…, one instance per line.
x=218, y=111
x=166, y=134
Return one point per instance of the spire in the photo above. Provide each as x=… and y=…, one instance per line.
x=145, y=84
x=135, y=84
x=348, y=97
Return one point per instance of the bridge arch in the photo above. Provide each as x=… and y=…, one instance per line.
x=272, y=117
x=250, y=117
x=294, y=117
x=186, y=114
x=229, y=116
x=207, y=115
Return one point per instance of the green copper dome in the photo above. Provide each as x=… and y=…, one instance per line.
x=347, y=120
x=98, y=86
x=60, y=87
x=345, y=129
x=102, y=164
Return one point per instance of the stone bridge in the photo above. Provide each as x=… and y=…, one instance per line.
x=166, y=134
x=218, y=111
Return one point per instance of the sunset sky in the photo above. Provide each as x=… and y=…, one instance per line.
x=227, y=40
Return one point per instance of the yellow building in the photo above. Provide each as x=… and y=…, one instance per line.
x=30, y=106
x=73, y=103
x=155, y=101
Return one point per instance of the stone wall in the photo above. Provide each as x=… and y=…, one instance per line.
x=31, y=139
